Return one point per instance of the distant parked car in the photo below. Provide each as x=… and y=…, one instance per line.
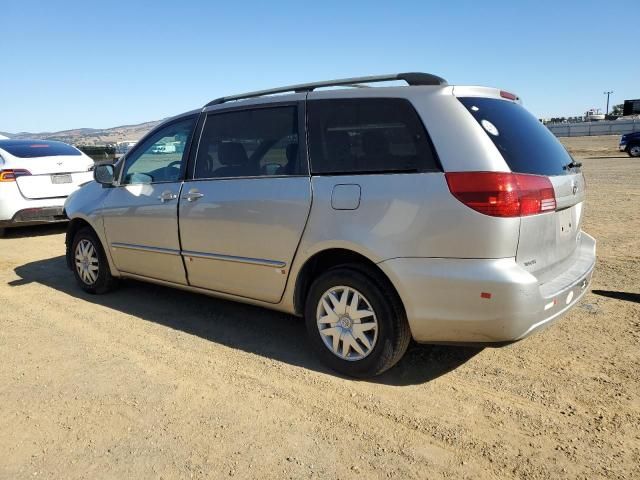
x=36, y=177
x=434, y=212
x=630, y=143
x=166, y=148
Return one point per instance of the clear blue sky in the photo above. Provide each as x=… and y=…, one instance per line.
x=69, y=64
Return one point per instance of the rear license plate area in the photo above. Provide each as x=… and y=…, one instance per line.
x=59, y=179
x=566, y=223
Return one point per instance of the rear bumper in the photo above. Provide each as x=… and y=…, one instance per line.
x=485, y=300
x=622, y=147
x=15, y=210
x=36, y=216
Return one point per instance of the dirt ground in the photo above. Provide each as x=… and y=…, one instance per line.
x=593, y=147
x=149, y=382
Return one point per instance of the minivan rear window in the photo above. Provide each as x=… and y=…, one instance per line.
x=525, y=144
x=367, y=135
x=37, y=148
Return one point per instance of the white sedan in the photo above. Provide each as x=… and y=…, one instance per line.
x=36, y=177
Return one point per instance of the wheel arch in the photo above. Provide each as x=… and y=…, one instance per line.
x=75, y=225
x=329, y=258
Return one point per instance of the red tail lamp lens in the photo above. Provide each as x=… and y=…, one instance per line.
x=502, y=194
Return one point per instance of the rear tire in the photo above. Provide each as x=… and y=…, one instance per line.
x=3, y=231
x=89, y=262
x=362, y=311
x=634, y=151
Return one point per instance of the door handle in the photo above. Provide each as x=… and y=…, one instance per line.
x=192, y=195
x=166, y=196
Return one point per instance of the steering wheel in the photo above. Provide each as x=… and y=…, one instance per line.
x=174, y=163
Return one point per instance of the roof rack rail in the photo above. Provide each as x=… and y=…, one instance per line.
x=412, y=78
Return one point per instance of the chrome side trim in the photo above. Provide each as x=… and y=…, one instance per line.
x=230, y=258
x=140, y=248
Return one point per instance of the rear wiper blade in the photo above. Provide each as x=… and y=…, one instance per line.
x=572, y=164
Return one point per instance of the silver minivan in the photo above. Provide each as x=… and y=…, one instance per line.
x=446, y=214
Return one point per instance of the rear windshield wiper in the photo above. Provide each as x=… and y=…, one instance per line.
x=572, y=164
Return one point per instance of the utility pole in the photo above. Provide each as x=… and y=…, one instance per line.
x=607, y=94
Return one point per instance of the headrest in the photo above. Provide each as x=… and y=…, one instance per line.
x=232, y=154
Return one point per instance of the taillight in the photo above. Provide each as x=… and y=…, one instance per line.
x=503, y=194
x=11, y=175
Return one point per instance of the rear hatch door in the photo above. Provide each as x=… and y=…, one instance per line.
x=547, y=240
x=53, y=176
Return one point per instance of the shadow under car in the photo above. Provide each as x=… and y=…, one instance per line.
x=252, y=329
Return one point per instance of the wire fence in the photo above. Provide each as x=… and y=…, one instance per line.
x=583, y=129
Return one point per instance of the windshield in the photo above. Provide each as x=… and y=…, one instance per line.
x=525, y=144
x=37, y=148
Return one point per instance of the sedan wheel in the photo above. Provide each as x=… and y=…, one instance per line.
x=634, y=151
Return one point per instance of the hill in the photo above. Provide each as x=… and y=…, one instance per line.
x=92, y=136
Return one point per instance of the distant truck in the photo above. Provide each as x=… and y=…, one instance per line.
x=593, y=115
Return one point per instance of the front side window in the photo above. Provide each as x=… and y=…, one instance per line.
x=160, y=157
x=368, y=135
x=249, y=143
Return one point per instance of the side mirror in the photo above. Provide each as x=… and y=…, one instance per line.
x=104, y=174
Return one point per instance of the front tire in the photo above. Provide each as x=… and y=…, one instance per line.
x=356, y=322
x=634, y=151
x=90, y=266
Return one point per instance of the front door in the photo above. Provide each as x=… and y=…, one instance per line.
x=244, y=210
x=141, y=212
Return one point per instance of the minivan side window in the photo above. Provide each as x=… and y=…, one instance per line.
x=367, y=135
x=160, y=157
x=249, y=143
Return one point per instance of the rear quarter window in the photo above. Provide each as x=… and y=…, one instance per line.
x=367, y=135
x=37, y=148
x=525, y=144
